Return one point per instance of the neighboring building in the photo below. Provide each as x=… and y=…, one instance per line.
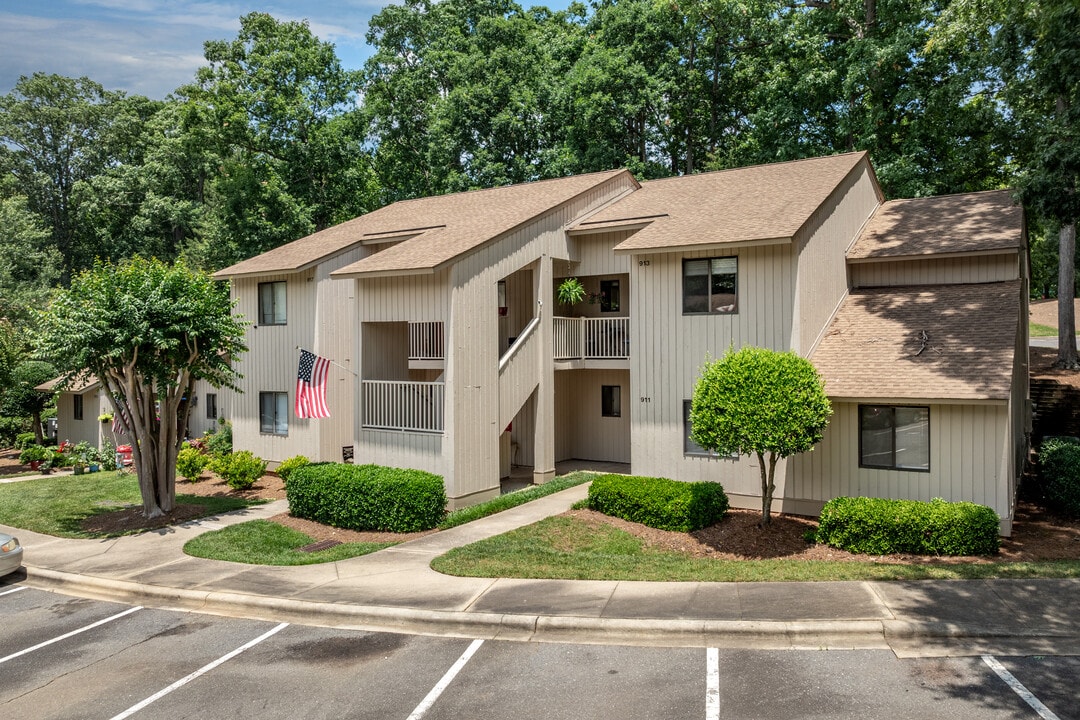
x=80, y=405
x=444, y=307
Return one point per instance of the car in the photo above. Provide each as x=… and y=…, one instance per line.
x=11, y=553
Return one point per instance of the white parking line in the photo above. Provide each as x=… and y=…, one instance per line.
x=712, y=684
x=1018, y=688
x=13, y=590
x=436, y=691
x=65, y=636
x=201, y=671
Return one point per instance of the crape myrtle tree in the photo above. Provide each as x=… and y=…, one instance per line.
x=147, y=331
x=759, y=402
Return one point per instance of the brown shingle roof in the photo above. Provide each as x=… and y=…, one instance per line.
x=969, y=222
x=765, y=202
x=966, y=335
x=435, y=229
x=79, y=385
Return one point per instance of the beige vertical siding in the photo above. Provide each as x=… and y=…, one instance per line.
x=76, y=431
x=464, y=297
x=936, y=271
x=582, y=432
x=966, y=447
x=595, y=255
x=668, y=349
x=821, y=276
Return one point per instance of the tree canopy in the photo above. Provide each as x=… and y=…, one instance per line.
x=147, y=331
x=759, y=402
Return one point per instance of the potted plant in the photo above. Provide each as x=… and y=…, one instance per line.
x=105, y=417
x=93, y=457
x=34, y=456
x=80, y=457
x=570, y=292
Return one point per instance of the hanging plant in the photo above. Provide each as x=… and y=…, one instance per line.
x=571, y=291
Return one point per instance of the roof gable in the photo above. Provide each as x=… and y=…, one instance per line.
x=762, y=203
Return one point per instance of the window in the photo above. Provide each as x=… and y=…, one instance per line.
x=211, y=406
x=710, y=285
x=894, y=437
x=609, y=296
x=274, y=413
x=77, y=412
x=611, y=400
x=692, y=448
x=272, y=303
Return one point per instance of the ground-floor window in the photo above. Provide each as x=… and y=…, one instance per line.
x=611, y=400
x=692, y=448
x=77, y=408
x=211, y=406
x=274, y=413
x=894, y=437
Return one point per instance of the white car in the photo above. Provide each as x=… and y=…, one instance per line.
x=11, y=553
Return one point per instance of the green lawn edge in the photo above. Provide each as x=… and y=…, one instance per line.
x=262, y=542
x=1037, y=330
x=513, y=499
x=58, y=505
x=563, y=548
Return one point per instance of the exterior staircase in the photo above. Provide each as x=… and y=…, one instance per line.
x=1056, y=409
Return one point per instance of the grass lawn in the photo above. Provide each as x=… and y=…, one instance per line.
x=518, y=497
x=261, y=542
x=58, y=505
x=565, y=548
x=1037, y=330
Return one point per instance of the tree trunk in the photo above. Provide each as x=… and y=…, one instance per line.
x=1067, y=355
x=39, y=435
x=768, y=486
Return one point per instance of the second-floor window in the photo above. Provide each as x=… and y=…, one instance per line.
x=710, y=286
x=272, y=303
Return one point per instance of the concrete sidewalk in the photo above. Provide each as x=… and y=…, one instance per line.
x=396, y=590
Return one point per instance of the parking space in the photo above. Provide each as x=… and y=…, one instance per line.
x=64, y=657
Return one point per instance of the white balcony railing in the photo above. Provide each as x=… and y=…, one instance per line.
x=592, y=338
x=426, y=341
x=401, y=405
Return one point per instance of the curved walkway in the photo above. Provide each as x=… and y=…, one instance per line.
x=396, y=590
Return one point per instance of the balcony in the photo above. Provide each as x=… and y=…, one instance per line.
x=403, y=405
x=426, y=349
x=589, y=339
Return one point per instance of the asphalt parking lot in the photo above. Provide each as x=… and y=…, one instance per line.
x=64, y=657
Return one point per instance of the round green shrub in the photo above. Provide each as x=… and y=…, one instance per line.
x=190, y=463
x=24, y=440
x=34, y=453
x=287, y=466
x=1059, y=460
x=239, y=469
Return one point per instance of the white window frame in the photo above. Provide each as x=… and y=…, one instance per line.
x=273, y=302
x=278, y=418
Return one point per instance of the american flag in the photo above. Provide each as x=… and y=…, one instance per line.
x=118, y=427
x=311, y=386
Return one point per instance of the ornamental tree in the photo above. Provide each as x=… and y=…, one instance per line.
x=759, y=402
x=147, y=331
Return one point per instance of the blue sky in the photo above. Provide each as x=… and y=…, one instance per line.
x=151, y=47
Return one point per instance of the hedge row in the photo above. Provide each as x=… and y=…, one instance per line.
x=1059, y=459
x=880, y=527
x=658, y=502
x=366, y=497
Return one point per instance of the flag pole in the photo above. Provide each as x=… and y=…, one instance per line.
x=348, y=370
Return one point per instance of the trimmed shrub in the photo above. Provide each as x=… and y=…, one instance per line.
x=24, y=440
x=658, y=502
x=13, y=428
x=287, y=466
x=239, y=469
x=190, y=463
x=366, y=497
x=878, y=526
x=1059, y=459
x=34, y=453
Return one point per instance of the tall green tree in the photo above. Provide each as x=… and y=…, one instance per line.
x=29, y=263
x=763, y=403
x=147, y=331
x=281, y=111
x=55, y=133
x=21, y=399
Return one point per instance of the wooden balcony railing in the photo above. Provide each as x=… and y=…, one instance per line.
x=592, y=338
x=401, y=405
